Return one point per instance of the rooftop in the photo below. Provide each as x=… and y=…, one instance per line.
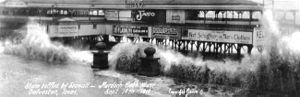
x=147, y=2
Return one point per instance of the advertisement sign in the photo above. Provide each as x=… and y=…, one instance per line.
x=150, y=16
x=141, y=31
x=134, y=3
x=175, y=16
x=79, y=30
x=165, y=32
x=125, y=15
x=63, y=30
x=219, y=36
x=15, y=3
x=111, y=14
x=258, y=38
x=99, y=29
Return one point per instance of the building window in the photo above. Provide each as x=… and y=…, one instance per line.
x=235, y=15
x=256, y=15
x=210, y=15
x=95, y=12
x=100, y=12
x=219, y=15
x=65, y=12
x=246, y=15
x=61, y=12
x=94, y=26
x=201, y=14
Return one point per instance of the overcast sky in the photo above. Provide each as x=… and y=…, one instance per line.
x=281, y=4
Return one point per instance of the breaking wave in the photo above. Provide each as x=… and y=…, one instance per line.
x=275, y=69
x=36, y=45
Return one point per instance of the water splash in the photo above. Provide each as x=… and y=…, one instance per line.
x=276, y=38
x=251, y=70
x=292, y=41
x=35, y=60
x=37, y=45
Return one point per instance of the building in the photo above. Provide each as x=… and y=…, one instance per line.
x=207, y=26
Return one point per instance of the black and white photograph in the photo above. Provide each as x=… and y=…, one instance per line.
x=149, y=48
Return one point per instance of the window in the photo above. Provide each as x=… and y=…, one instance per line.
x=83, y=12
x=61, y=12
x=52, y=11
x=235, y=15
x=65, y=12
x=100, y=12
x=5, y=12
x=201, y=14
x=94, y=26
x=210, y=14
x=256, y=15
x=90, y=12
x=246, y=15
x=95, y=13
x=219, y=15
x=229, y=14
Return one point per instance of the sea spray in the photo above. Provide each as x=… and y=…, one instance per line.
x=21, y=65
x=36, y=44
x=126, y=51
x=33, y=58
x=275, y=69
x=292, y=42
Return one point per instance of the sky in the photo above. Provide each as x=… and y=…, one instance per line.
x=281, y=4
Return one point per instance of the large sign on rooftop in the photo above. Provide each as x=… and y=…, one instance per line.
x=134, y=3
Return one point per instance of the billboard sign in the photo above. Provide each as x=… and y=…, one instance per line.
x=165, y=32
x=258, y=38
x=219, y=36
x=150, y=16
x=142, y=31
x=63, y=30
x=15, y=3
x=134, y=3
x=95, y=29
x=175, y=16
x=72, y=30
